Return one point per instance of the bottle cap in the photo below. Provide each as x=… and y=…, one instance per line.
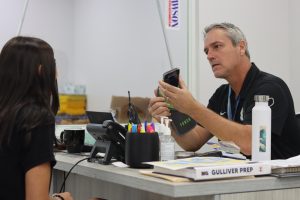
x=167, y=128
x=162, y=124
x=261, y=98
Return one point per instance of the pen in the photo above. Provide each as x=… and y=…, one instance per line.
x=145, y=125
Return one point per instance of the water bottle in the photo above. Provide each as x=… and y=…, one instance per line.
x=261, y=129
x=167, y=142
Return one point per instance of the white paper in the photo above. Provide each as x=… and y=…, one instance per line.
x=290, y=162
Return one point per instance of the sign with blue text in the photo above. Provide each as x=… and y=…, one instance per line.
x=172, y=14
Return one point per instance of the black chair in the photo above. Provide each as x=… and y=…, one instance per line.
x=298, y=118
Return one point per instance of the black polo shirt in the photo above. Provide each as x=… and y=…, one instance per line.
x=285, y=138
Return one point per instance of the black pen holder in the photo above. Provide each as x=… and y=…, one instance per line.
x=141, y=147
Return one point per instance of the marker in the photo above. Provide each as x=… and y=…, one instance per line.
x=153, y=126
x=150, y=128
x=134, y=128
x=129, y=127
x=139, y=127
x=142, y=128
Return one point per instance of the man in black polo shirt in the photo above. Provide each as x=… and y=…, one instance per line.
x=228, y=115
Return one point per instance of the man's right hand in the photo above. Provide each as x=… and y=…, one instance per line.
x=158, y=107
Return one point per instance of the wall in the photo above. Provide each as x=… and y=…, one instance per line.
x=53, y=22
x=49, y=20
x=119, y=46
x=95, y=41
x=10, y=15
x=266, y=26
x=294, y=31
x=109, y=46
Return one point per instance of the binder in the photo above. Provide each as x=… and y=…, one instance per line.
x=206, y=168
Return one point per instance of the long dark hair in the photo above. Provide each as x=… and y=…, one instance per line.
x=28, y=86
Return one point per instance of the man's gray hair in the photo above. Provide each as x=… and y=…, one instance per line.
x=233, y=32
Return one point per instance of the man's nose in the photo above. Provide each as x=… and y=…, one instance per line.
x=209, y=56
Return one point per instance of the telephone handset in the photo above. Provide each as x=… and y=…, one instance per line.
x=110, y=140
x=116, y=132
x=114, y=126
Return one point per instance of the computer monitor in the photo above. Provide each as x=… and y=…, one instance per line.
x=99, y=117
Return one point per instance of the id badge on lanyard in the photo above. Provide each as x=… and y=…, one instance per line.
x=232, y=113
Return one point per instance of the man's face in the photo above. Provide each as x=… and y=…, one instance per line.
x=221, y=54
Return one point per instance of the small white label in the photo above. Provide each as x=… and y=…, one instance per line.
x=167, y=151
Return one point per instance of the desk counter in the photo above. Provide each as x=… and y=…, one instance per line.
x=107, y=181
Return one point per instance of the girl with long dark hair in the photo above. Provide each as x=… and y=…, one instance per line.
x=28, y=105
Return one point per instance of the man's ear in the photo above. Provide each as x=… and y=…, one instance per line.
x=243, y=47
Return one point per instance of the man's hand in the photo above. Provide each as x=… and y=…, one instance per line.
x=181, y=99
x=158, y=107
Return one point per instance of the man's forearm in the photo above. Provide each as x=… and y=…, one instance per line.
x=193, y=140
x=223, y=128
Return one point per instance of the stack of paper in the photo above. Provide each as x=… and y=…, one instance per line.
x=229, y=147
x=288, y=167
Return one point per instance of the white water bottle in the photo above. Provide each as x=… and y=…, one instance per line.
x=261, y=129
x=167, y=142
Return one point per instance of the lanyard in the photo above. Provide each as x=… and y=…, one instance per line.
x=229, y=110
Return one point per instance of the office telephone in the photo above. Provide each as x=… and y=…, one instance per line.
x=110, y=140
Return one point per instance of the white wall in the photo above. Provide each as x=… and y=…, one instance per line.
x=119, y=46
x=294, y=16
x=49, y=20
x=96, y=42
x=53, y=22
x=266, y=26
x=10, y=16
x=109, y=46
